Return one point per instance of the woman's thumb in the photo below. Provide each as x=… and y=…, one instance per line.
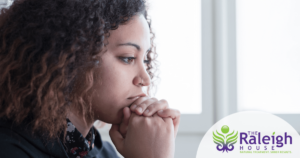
x=117, y=138
x=124, y=124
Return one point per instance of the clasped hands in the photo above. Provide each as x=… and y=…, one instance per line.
x=148, y=129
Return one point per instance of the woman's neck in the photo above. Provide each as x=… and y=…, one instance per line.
x=78, y=122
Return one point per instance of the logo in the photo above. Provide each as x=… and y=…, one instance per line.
x=225, y=141
x=254, y=139
x=250, y=134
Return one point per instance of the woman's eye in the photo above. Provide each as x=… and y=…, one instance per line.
x=127, y=60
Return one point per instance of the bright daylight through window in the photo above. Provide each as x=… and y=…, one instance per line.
x=178, y=39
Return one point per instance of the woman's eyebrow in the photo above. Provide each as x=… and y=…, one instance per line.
x=130, y=44
x=134, y=45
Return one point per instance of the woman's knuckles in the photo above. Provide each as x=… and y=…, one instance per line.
x=150, y=107
x=163, y=101
x=144, y=100
x=140, y=100
x=135, y=121
x=154, y=99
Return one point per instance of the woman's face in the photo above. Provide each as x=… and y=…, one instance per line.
x=122, y=71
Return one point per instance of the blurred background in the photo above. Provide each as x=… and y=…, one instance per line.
x=219, y=57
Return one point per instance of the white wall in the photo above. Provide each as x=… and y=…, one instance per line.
x=3, y=3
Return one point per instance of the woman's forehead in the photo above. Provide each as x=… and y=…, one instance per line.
x=136, y=31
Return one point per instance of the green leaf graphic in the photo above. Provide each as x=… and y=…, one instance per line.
x=233, y=138
x=229, y=134
x=273, y=133
x=217, y=139
x=220, y=134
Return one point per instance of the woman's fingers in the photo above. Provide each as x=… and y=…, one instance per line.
x=148, y=106
x=140, y=105
x=172, y=113
x=137, y=102
x=125, y=121
x=117, y=138
x=155, y=107
x=126, y=113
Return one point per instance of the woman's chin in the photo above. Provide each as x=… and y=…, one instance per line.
x=116, y=119
x=111, y=117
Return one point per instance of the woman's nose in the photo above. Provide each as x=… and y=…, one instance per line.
x=142, y=79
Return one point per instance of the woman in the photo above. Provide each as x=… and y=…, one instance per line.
x=65, y=64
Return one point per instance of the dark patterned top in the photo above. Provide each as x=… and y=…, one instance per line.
x=76, y=145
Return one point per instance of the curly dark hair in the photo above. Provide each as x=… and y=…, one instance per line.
x=46, y=45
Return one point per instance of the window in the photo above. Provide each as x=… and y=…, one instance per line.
x=268, y=55
x=178, y=41
x=185, y=60
x=236, y=26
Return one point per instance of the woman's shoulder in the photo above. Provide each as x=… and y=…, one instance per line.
x=18, y=141
x=10, y=144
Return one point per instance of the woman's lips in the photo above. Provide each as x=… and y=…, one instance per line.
x=137, y=96
x=134, y=97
